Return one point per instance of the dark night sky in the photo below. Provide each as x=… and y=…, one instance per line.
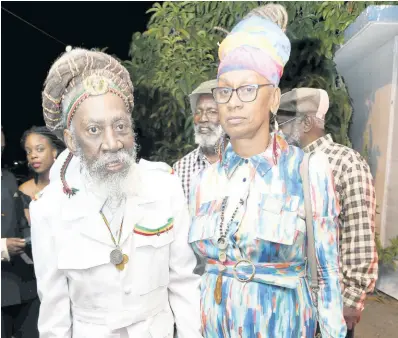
x=27, y=54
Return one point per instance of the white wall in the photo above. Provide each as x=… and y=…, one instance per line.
x=372, y=84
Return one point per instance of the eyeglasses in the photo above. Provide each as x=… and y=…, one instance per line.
x=210, y=114
x=246, y=93
x=288, y=121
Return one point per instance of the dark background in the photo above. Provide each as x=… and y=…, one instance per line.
x=27, y=54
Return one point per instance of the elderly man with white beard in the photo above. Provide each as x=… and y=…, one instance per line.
x=209, y=135
x=109, y=235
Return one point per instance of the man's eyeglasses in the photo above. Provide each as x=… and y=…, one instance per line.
x=210, y=114
x=246, y=93
x=288, y=121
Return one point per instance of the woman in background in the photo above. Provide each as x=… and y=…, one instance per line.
x=42, y=148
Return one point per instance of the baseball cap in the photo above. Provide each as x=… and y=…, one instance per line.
x=204, y=88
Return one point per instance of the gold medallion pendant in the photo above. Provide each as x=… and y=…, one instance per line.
x=123, y=263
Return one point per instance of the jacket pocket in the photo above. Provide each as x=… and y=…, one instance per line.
x=79, y=253
x=152, y=249
x=155, y=235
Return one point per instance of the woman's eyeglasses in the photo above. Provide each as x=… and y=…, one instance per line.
x=246, y=93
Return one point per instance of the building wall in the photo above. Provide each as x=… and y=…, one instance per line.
x=391, y=222
x=370, y=82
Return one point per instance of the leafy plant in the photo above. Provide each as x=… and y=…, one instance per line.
x=388, y=255
x=178, y=51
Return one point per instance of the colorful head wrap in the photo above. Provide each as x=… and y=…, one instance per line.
x=256, y=43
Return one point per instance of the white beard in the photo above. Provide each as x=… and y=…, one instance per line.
x=208, y=141
x=111, y=186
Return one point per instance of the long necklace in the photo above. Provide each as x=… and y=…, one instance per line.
x=116, y=256
x=222, y=242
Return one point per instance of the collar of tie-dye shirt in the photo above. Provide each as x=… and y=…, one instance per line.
x=263, y=162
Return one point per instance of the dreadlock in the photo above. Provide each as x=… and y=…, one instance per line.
x=274, y=12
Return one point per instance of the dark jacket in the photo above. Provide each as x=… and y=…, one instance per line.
x=18, y=282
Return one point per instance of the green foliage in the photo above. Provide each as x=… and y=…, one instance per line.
x=388, y=255
x=179, y=51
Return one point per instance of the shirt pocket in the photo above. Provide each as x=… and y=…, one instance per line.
x=152, y=238
x=279, y=219
x=205, y=222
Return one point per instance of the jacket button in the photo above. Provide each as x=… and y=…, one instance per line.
x=127, y=291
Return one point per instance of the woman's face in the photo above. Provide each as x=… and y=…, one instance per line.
x=39, y=153
x=242, y=120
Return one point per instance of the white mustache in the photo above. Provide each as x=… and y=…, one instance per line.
x=210, y=127
x=121, y=156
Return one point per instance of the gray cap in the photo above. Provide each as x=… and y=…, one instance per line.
x=204, y=88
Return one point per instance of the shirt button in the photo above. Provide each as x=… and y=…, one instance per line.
x=127, y=291
x=246, y=161
x=244, y=180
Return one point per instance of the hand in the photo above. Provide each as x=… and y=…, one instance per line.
x=352, y=316
x=15, y=246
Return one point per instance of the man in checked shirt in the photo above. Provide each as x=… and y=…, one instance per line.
x=302, y=118
x=209, y=137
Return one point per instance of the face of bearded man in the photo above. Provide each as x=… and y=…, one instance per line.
x=208, y=130
x=103, y=139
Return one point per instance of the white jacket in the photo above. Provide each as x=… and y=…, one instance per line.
x=83, y=295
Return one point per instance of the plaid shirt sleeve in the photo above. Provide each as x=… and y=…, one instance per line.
x=358, y=249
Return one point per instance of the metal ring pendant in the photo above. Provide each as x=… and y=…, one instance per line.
x=222, y=243
x=116, y=256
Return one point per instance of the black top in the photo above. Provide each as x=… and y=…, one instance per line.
x=18, y=282
x=26, y=199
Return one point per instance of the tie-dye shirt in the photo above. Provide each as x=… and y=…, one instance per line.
x=268, y=230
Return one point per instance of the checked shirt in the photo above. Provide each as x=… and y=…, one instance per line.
x=356, y=193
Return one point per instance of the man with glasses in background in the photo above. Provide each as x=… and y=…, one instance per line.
x=208, y=135
x=301, y=115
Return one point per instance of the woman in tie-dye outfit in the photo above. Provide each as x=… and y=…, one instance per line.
x=248, y=209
